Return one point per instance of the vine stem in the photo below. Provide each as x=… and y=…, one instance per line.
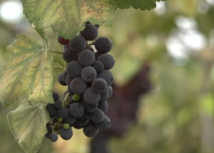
x=57, y=52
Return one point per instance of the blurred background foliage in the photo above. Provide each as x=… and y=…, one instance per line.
x=177, y=40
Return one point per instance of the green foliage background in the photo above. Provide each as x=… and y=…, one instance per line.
x=177, y=116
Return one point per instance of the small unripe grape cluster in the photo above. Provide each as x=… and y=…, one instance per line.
x=89, y=86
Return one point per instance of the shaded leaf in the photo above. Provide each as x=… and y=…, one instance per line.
x=137, y=4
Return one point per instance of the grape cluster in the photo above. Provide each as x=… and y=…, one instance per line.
x=89, y=86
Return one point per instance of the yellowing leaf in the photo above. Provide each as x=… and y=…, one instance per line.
x=27, y=72
x=27, y=124
x=67, y=17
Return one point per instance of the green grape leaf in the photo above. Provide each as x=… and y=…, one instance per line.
x=27, y=72
x=67, y=17
x=58, y=61
x=27, y=124
x=137, y=4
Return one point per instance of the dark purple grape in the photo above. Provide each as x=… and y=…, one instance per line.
x=69, y=55
x=51, y=110
x=62, y=78
x=99, y=85
x=76, y=110
x=97, y=116
x=103, y=45
x=78, y=86
x=90, y=130
x=86, y=58
x=90, y=32
x=78, y=43
x=74, y=69
x=53, y=137
x=88, y=74
x=63, y=113
x=98, y=66
x=66, y=134
x=107, y=60
x=58, y=104
x=91, y=97
x=55, y=96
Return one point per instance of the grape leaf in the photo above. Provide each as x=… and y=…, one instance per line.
x=67, y=17
x=27, y=72
x=27, y=124
x=137, y=4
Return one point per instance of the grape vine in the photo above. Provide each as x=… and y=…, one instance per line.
x=28, y=71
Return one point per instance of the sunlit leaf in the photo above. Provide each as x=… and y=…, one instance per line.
x=27, y=72
x=27, y=124
x=67, y=17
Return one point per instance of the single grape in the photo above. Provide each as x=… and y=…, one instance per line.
x=53, y=137
x=66, y=134
x=106, y=75
x=58, y=104
x=74, y=69
x=78, y=43
x=88, y=74
x=83, y=121
x=103, y=45
x=76, y=110
x=91, y=97
x=55, y=96
x=69, y=55
x=70, y=120
x=90, y=130
x=76, y=97
x=66, y=126
x=63, y=41
x=99, y=85
x=98, y=66
x=107, y=60
x=90, y=32
x=89, y=108
x=63, y=112
x=51, y=110
x=62, y=78
x=104, y=125
x=97, y=116
x=78, y=86
x=86, y=58
x=103, y=105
